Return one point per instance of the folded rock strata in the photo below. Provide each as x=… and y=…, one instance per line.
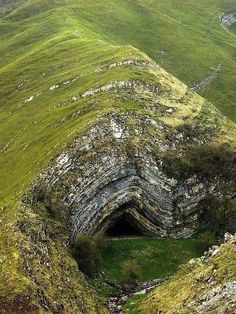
x=114, y=170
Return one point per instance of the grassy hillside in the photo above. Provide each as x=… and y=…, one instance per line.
x=233, y=29
x=205, y=285
x=52, y=51
x=184, y=37
x=46, y=43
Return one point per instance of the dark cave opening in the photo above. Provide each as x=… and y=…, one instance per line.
x=123, y=227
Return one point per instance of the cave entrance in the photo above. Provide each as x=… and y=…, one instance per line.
x=124, y=227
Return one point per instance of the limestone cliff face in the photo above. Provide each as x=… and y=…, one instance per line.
x=115, y=168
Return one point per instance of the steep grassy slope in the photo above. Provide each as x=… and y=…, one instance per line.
x=184, y=37
x=50, y=52
x=39, y=51
x=205, y=285
x=32, y=131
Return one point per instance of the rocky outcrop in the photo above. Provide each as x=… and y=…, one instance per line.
x=85, y=127
x=206, y=82
x=57, y=285
x=227, y=19
x=204, y=285
x=114, y=169
x=132, y=85
x=128, y=63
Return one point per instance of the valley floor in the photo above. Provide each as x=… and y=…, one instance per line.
x=158, y=259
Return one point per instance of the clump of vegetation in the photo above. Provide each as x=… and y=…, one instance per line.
x=207, y=239
x=206, y=161
x=130, y=272
x=176, y=167
x=49, y=200
x=88, y=251
x=218, y=214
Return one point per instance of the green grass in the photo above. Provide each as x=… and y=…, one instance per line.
x=189, y=34
x=131, y=305
x=233, y=29
x=48, y=42
x=66, y=39
x=190, y=283
x=158, y=258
